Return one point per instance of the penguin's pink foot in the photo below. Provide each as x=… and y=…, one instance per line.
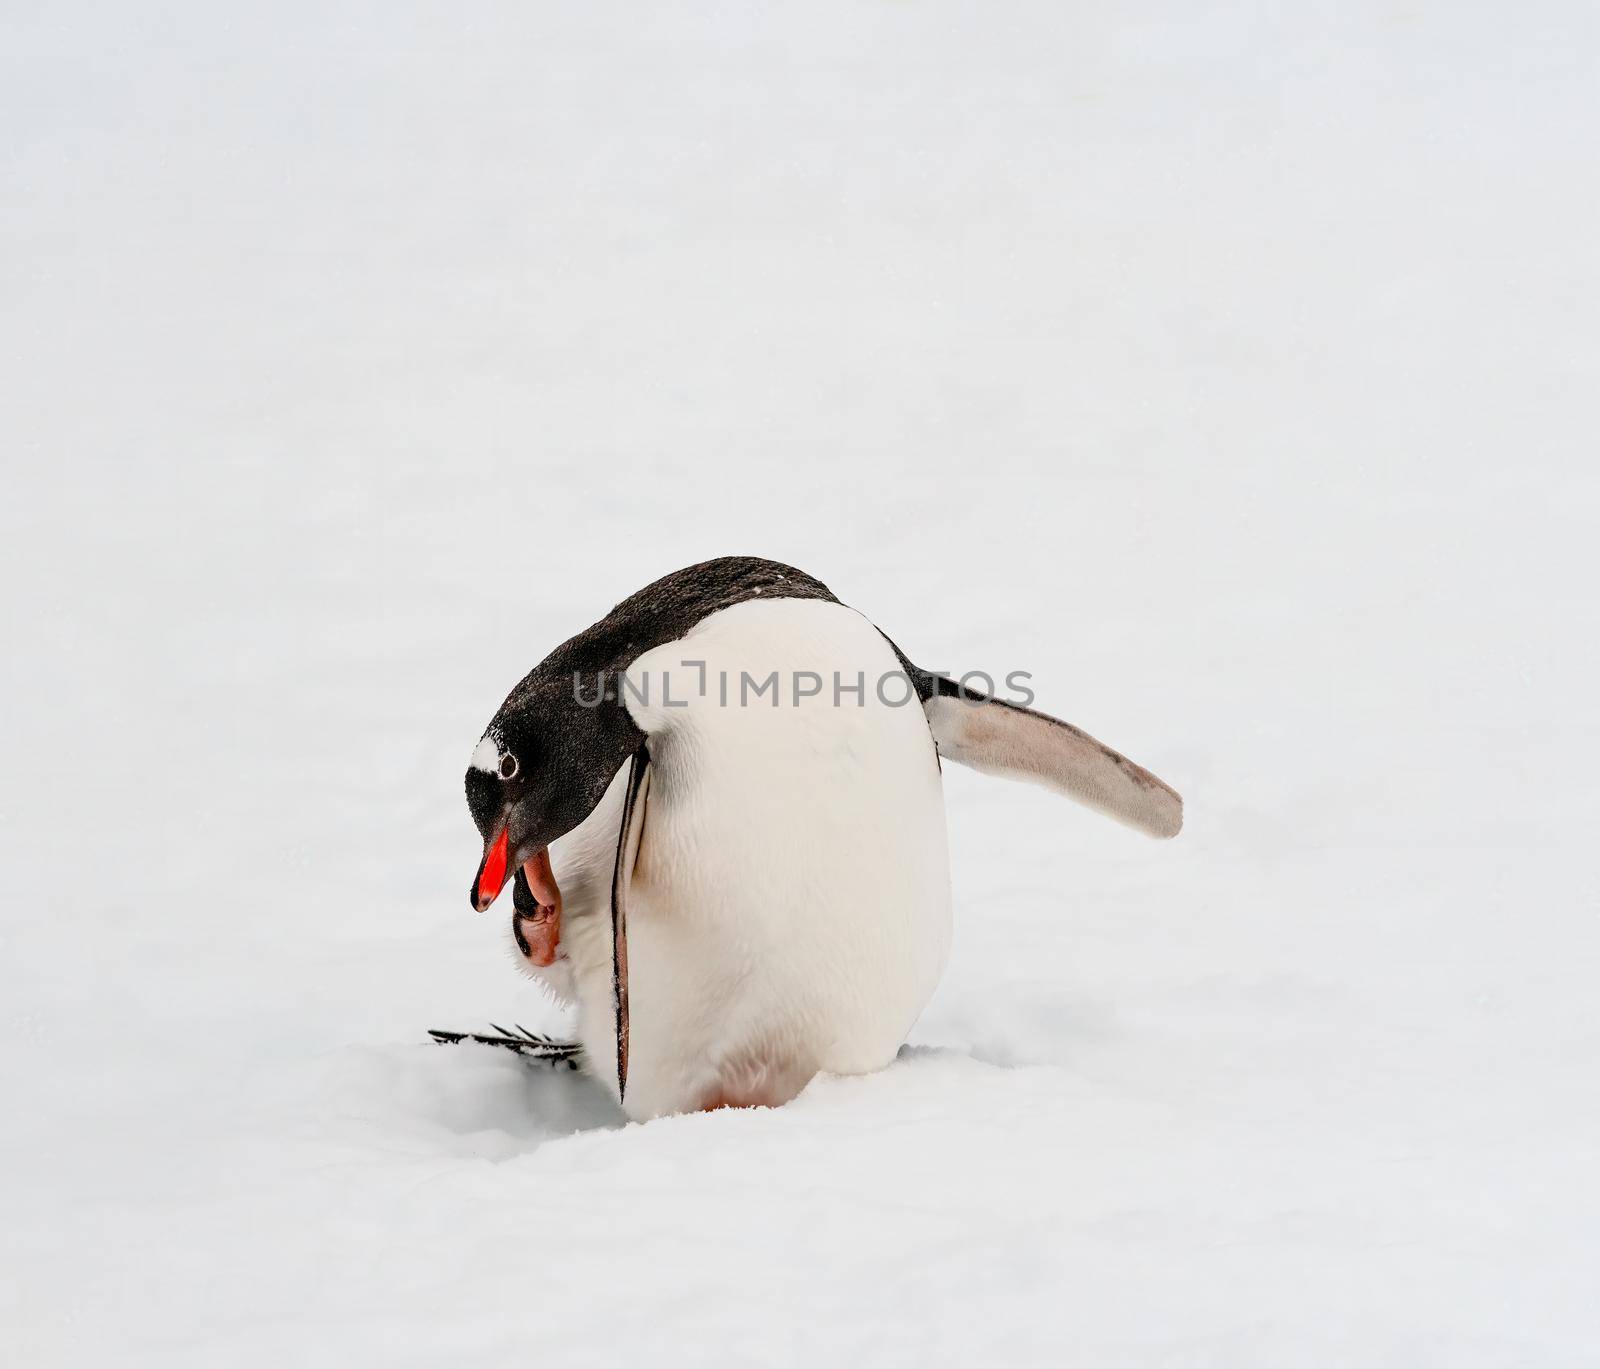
x=536, y=923
x=765, y=1086
x=538, y=935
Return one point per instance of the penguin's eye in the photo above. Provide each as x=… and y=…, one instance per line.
x=508, y=766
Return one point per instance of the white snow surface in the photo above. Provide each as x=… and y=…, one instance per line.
x=1231, y=367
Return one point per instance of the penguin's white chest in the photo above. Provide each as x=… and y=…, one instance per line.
x=789, y=910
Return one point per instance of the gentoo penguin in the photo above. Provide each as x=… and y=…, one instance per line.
x=722, y=808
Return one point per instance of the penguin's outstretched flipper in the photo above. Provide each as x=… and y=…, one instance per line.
x=1003, y=739
x=520, y=1040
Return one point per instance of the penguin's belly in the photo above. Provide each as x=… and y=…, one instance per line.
x=789, y=911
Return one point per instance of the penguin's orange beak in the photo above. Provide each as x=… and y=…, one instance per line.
x=491, y=877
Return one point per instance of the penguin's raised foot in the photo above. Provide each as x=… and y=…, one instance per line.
x=520, y=1040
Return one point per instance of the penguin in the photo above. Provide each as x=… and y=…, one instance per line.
x=721, y=811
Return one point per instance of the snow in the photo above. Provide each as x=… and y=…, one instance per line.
x=1229, y=367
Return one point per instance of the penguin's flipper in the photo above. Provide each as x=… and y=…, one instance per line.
x=1003, y=739
x=629, y=836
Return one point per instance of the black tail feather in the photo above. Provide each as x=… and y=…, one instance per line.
x=521, y=1041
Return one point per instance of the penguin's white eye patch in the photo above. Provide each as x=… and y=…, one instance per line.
x=487, y=756
x=508, y=766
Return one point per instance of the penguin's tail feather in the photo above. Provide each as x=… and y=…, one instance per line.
x=1005, y=739
x=519, y=1040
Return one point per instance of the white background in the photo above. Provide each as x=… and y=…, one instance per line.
x=1232, y=367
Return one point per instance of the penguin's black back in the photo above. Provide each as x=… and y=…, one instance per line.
x=666, y=609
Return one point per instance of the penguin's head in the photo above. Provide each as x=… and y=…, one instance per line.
x=498, y=795
x=539, y=770
x=559, y=739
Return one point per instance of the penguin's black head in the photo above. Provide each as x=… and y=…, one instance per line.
x=557, y=742
x=543, y=764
